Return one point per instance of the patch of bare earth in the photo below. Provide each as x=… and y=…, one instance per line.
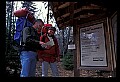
x=69, y=73
x=62, y=71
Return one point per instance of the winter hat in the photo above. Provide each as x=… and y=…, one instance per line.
x=52, y=28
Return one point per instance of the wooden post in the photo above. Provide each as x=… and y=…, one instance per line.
x=75, y=32
x=74, y=23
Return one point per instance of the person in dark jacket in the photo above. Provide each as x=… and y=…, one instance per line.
x=30, y=44
x=49, y=56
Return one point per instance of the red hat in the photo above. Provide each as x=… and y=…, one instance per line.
x=45, y=28
x=48, y=25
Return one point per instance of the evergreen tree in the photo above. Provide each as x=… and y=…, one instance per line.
x=30, y=5
x=67, y=61
x=11, y=56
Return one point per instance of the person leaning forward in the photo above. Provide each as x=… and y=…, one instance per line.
x=32, y=43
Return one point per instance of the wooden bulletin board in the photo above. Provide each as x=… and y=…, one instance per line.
x=93, y=51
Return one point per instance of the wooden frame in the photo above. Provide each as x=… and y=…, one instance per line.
x=101, y=24
x=113, y=29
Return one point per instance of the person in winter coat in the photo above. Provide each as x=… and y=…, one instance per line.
x=50, y=56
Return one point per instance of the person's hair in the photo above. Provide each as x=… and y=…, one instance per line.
x=39, y=20
x=52, y=28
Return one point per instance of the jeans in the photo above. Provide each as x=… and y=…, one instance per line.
x=53, y=66
x=28, y=62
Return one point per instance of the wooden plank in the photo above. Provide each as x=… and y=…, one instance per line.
x=63, y=16
x=78, y=10
x=88, y=7
x=84, y=16
x=67, y=23
x=91, y=18
x=64, y=5
x=84, y=20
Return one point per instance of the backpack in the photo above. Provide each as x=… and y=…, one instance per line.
x=21, y=23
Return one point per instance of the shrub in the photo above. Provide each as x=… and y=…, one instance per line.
x=67, y=61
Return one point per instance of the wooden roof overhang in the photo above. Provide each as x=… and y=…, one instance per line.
x=67, y=13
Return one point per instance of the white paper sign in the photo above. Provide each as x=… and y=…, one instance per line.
x=72, y=46
x=92, y=43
